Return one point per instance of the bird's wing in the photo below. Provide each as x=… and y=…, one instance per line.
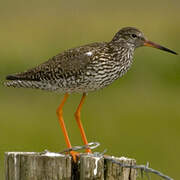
x=69, y=62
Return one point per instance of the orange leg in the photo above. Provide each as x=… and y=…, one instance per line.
x=63, y=127
x=78, y=119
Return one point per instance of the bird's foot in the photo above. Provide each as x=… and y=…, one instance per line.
x=74, y=155
x=89, y=151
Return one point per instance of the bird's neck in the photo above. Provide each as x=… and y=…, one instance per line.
x=118, y=45
x=122, y=55
x=121, y=50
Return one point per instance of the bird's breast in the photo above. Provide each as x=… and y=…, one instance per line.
x=106, y=70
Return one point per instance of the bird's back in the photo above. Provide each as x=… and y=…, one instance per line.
x=81, y=69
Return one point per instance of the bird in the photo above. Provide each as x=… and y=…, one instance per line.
x=84, y=69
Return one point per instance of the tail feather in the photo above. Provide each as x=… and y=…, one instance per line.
x=12, y=77
x=18, y=80
x=31, y=84
x=29, y=80
x=20, y=83
x=25, y=84
x=21, y=77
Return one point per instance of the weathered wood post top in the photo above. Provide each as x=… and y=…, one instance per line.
x=55, y=166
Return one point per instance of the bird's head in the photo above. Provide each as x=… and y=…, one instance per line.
x=133, y=38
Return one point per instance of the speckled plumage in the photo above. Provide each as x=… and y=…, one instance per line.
x=86, y=68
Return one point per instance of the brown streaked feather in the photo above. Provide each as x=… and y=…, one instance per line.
x=67, y=62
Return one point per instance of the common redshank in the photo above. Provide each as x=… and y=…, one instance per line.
x=84, y=69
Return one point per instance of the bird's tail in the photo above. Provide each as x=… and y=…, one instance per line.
x=18, y=84
x=19, y=81
x=13, y=77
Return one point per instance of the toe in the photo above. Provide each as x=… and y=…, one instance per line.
x=74, y=155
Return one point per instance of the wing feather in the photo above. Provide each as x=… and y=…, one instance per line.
x=66, y=63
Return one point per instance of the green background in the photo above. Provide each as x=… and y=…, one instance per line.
x=137, y=116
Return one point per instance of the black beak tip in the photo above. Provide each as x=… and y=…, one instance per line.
x=168, y=50
x=174, y=53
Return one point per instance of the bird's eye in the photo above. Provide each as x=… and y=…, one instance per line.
x=134, y=35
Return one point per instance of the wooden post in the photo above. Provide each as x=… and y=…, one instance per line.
x=115, y=171
x=54, y=166
x=91, y=167
x=36, y=166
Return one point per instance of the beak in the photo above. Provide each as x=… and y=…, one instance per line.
x=154, y=45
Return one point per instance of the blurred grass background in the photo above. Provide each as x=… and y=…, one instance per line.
x=137, y=116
